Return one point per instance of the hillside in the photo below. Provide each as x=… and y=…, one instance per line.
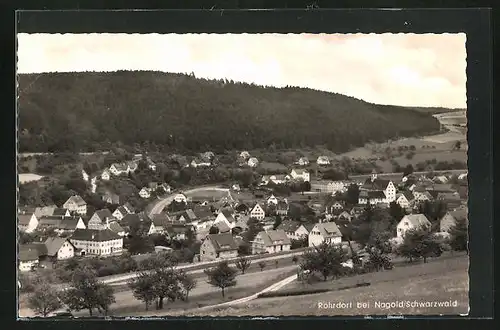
x=88, y=111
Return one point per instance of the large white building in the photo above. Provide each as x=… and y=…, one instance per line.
x=97, y=242
x=376, y=184
x=257, y=212
x=271, y=241
x=76, y=204
x=300, y=174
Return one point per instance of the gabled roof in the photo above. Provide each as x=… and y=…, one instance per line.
x=122, y=210
x=328, y=229
x=289, y=226
x=24, y=219
x=372, y=194
x=308, y=226
x=229, y=216
x=203, y=212
x=53, y=245
x=460, y=214
x=160, y=219
x=115, y=227
x=299, y=171
x=408, y=195
x=77, y=200
x=174, y=229
x=45, y=210
x=59, y=212
x=191, y=216
x=68, y=223
x=94, y=235
x=222, y=242
x=441, y=187
x=222, y=226
x=274, y=237
x=417, y=220
x=50, y=221
x=27, y=210
x=377, y=184
x=129, y=207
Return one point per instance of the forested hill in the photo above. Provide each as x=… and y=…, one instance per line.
x=90, y=111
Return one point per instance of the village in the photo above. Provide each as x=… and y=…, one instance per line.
x=228, y=221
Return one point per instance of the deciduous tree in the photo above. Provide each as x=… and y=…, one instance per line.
x=44, y=300
x=243, y=264
x=221, y=276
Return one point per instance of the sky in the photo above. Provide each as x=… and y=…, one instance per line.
x=401, y=69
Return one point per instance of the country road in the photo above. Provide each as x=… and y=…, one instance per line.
x=160, y=205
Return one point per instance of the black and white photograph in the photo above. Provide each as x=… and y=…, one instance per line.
x=243, y=174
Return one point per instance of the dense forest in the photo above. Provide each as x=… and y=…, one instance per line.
x=91, y=111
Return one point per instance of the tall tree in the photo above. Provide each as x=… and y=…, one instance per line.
x=87, y=292
x=325, y=259
x=459, y=236
x=243, y=264
x=221, y=276
x=44, y=300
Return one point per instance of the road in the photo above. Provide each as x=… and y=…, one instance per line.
x=401, y=173
x=160, y=205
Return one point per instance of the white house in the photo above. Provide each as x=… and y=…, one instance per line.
x=412, y=221
x=253, y=162
x=323, y=160
x=325, y=232
x=272, y=200
x=225, y=217
x=100, y=219
x=59, y=248
x=300, y=174
x=257, y=212
x=303, y=230
x=404, y=199
x=76, y=204
x=145, y=193
x=180, y=198
x=27, y=222
x=105, y=175
x=244, y=155
x=28, y=257
x=271, y=241
x=97, y=242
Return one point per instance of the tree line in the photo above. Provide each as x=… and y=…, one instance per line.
x=180, y=112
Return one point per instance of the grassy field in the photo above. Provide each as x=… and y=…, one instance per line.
x=438, y=281
x=207, y=194
x=448, y=156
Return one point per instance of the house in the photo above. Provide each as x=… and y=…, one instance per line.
x=244, y=155
x=275, y=178
x=272, y=200
x=59, y=248
x=404, y=199
x=412, y=221
x=290, y=227
x=200, y=163
x=357, y=210
x=178, y=231
x=28, y=257
x=218, y=246
x=300, y=174
x=180, y=198
x=271, y=241
x=76, y=204
x=27, y=222
x=304, y=230
x=376, y=184
x=303, y=161
x=226, y=217
x=452, y=200
x=282, y=208
x=97, y=242
x=236, y=187
x=257, y=212
x=449, y=220
x=345, y=216
x=325, y=232
x=462, y=176
x=123, y=168
x=268, y=223
x=440, y=179
x=120, y=212
x=160, y=222
x=323, y=160
x=106, y=175
x=253, y=162
x=111, y=198
x=145, y=193
x=373, y=197
x=99, y=219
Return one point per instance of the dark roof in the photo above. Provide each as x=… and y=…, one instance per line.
x=408, y=195
x=129, y=207
x=223, y=242
x=274, y=237
x=24, y=219
x=441, y=187
x=115, y=227
x=50, y=221
x=94, y=235
x=69, y=223
x=29, y=252
x=329, y=229
x=77, y=200
x=59, y=212
x=173, y=229
x=222, y=226
x=229, y=215
x=53, y=244
x=289, y=226
x=203, y=212
x=459, y=214
x=377, y=184
x=308, y=226
x=372, y=194
x=160, y=219
x=122, y=210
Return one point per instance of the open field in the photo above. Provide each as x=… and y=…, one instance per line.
x=438, y=281
x=28, y=177
x=440, y=156
x=208, y=194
